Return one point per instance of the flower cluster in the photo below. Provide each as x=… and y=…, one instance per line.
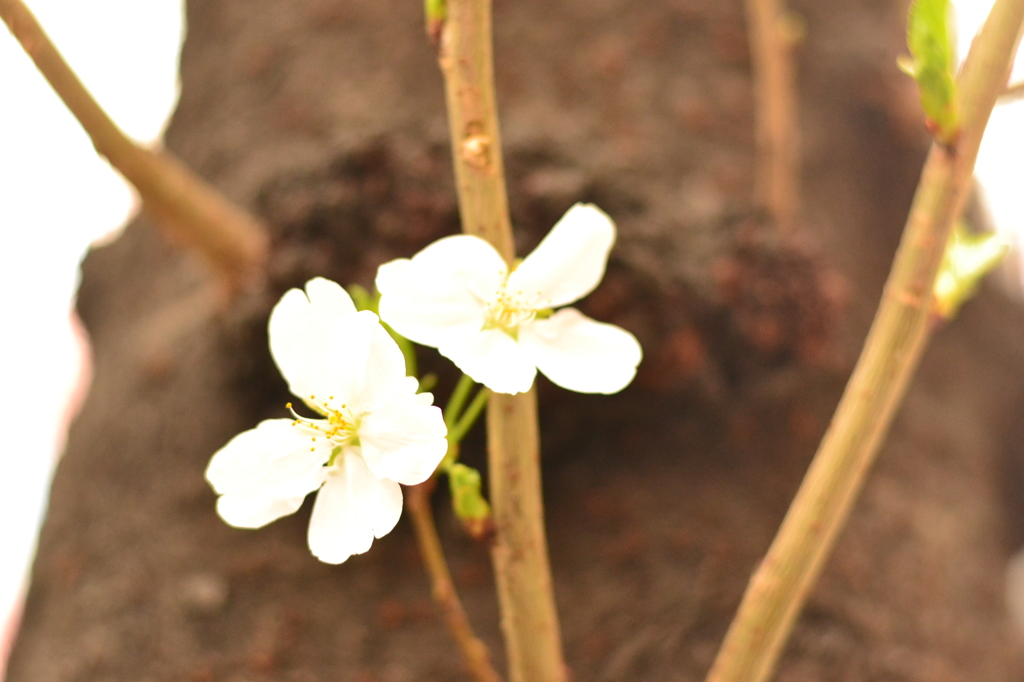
x=372, y=431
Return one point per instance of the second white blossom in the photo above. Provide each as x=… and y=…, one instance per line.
x=500, y=327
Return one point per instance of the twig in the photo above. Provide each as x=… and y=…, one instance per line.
x=474, y=652
x=235, y=242
x=523, y=574
x=777, y=179
x=894, y=345
x=1012, y=92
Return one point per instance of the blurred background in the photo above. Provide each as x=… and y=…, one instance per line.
x=57, y=198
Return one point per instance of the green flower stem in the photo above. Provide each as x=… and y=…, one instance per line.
x=456, y=402
x=407, y=348
x=234, y=242
x=522, y=570
x=901, y=329
x=457, y=432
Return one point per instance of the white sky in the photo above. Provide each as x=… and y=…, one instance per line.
x=1000, y=166
x=57, y=196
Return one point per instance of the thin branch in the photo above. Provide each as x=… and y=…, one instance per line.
x=891, y=353
x=521, y=565
x=474, y=652
x=235, y=242
x=1012, y=92
x=777, y=180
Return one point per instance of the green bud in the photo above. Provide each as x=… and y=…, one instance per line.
x=437, y=13
x=930, y=39
x=968, y=258
x=437, y=10
x=467, y=500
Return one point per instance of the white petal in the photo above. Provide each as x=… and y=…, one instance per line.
x=323, y=353
x=384, y=371
x=263, y=474
x=405, y=441
x=581, y=354
x=442, y=291
x=351, y=509
x=275, y=452
x=298, y=320
x=253, y=511
x=314, y=335
x=570, y=261
x=329, y=297
x=494, y=359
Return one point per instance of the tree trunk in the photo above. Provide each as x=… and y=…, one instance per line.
x=326, y=117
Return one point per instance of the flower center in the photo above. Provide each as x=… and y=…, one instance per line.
x=506, y=311
x=338, y=428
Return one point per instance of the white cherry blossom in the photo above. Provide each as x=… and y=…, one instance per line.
x=497, y=326
x=372, y=431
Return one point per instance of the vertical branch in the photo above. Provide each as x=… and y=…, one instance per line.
x=777, y=179
x=234, y=242
x=894, y=345
x=474, y=652
x=529, y=617
x=468, y=65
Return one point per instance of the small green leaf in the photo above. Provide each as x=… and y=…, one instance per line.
x=467, y=500
x=969, y=257
x=930, y=38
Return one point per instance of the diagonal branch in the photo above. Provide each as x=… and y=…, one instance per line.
x=197, y=214
x=900, y=331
